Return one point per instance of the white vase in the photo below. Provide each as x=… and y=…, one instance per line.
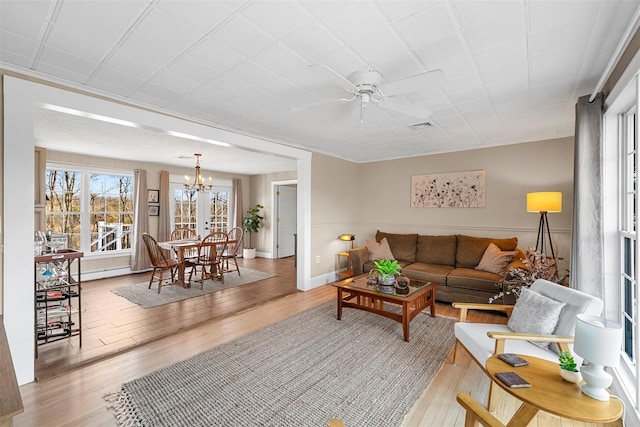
x=572, y=377
x=249, y=253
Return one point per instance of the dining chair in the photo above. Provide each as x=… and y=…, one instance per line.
x=159, y=261
x=209, y=256
x=185, y=233
x=237, y=234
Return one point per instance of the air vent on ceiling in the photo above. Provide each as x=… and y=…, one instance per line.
x=422, y=125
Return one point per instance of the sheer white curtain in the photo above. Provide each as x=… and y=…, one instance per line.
x=587, y=243
x=139, y=255
x=164, y=221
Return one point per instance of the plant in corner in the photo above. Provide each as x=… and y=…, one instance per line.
x=387, y=269
x=568, y=369
x=251, y=224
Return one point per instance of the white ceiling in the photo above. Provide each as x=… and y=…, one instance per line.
x=514, y=69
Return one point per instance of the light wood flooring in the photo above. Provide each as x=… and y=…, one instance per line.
x=111, y=324
x=75, y=398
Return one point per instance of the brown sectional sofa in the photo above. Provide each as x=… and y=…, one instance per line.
x=448, y=260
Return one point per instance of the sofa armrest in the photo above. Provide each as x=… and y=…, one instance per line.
x=563, y=341
x=358, y=257
x=465, y=306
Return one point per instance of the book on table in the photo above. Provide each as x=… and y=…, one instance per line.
x=513, y=359
x=512, y=379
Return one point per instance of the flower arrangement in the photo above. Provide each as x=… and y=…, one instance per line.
x=538, y=266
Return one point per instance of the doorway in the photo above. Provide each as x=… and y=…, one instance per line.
x=285, y=200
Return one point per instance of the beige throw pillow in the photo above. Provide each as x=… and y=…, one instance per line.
x=494, y=260
x=379, y=250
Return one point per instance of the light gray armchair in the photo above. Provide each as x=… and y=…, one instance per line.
x=482, y=340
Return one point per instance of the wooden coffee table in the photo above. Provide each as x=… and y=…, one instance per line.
x=355, y=293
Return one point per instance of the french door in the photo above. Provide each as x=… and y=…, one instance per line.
x=203, y=212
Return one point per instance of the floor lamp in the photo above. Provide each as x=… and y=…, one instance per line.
x=543, y=202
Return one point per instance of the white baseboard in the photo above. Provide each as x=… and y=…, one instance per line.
x=103, y=274
x=323, y=279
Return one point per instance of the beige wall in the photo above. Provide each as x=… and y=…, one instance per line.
x=261, y=192
x=511, y=172
x=334, y=210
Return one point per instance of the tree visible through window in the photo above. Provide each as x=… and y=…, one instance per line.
x=95, y=210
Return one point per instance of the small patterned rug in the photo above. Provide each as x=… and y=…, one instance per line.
x=139, y=293
x=302, y=371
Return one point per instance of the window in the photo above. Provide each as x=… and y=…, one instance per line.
x=94, y=209
x=628, y=234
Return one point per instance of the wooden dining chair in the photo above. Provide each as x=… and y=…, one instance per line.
x=185, y=233
x=159, y=261
x=209, y=257
x=237, y=234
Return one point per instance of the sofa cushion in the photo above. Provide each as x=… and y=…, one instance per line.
x=437, y=249
x=469, y=278
x=471, y=249
x=369, y=265
x=379, y=250
x=535, y=313
x=427, y=272
x=403, y=246
x=494, y=260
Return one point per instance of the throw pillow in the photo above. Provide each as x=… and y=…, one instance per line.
x=379, y=250
x=535, y=313
x=494, y=260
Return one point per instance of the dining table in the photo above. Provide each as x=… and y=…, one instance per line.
x=180, y=246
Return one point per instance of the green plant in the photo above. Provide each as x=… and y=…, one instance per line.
x=251, y=221
x=386, y=267
x=566, y=362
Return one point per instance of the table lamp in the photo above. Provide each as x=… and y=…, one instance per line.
x=347, y=238
x=597, y=340
x=543, y=202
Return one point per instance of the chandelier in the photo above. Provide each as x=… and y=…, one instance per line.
x=198, y=184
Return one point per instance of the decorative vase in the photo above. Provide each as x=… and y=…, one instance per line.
x=388, y=285
x=249, y=253
x=572, y=377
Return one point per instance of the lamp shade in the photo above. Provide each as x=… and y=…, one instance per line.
x=545, y=201
x=347, y=237
x=597, y=340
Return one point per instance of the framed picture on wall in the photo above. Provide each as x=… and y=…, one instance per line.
x=154, y=196
x=154, y=210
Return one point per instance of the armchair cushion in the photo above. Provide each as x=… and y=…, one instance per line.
x=535, y=313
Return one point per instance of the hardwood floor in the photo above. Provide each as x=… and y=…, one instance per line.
x=112, y=324
x=75, y=398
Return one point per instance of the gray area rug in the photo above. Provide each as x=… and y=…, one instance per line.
x=139, y=293
x=301, y=371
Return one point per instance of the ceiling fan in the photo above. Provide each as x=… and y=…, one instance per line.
x=366, y=88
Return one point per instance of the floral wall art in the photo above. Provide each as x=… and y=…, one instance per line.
x=448, y=190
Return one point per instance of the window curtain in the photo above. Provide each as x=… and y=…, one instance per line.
x=164, y=220
x=238, y=211
x=139, y=255
x=586, y=243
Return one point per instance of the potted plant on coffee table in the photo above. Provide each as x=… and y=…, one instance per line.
x=251, y=224
x=387, y=270
x=568, y=369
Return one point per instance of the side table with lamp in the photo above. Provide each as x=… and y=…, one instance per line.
x=347, y=271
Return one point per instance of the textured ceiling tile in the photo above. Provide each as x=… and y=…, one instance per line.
x=566, y=56
x=252, y=73
x=483, y=12
x=280, y=59
x=549, y=14
x=496, y=31
x=215, y=54
x=278, y=18
x=175, y=82
x=552, y=38
x=24, y=18
x=192, y=69
x=344, y=61
x=429, y=25
x=243, y=37
x=440, y=51
x=513, y=49
x=312, y=41
x=122, y=79
x=141, y=56
x=202, y=16
x=401, y=9
x=162, y=27
x=505, y=71
x=64, y=60
x=10, y=42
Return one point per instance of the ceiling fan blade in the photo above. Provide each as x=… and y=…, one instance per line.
x=405, y=108
x=421, y=81
x=333, y=75
x=321, y=103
